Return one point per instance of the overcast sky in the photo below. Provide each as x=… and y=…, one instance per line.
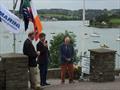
x=69, y=4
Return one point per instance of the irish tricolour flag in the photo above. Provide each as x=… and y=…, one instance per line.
x=29, y=13
x=37, y=22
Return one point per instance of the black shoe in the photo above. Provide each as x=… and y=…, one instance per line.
x=47, y=84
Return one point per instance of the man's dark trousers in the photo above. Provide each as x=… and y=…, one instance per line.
x=43, y=72
x=43, y=62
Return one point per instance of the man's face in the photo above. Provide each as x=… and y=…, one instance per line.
x=43, y=39
x=32, y=37
x=67, y=40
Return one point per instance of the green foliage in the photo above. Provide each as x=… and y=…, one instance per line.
x=115, y=21
x=103, y=17
x=55, y=46
x=106, y=20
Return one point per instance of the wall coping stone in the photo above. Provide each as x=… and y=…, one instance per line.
x=12, y=55
x=102, y=50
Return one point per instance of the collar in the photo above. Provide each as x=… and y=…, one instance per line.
x=29, y=39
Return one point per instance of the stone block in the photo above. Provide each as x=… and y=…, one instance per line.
x=102, y=65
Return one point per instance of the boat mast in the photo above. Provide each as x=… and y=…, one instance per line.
x=83, y=12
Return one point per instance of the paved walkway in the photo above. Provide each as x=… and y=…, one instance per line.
x=55, y=85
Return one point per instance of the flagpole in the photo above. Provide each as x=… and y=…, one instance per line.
x=14, y=36
x=83, y=12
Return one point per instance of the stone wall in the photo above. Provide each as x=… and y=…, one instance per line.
x=102, y=65
x=2, y=75
x=53, y=73
x=14, y=72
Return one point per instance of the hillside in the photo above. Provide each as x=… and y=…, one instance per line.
x=63, y=14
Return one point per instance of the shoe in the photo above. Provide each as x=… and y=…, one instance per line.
x=47, y=84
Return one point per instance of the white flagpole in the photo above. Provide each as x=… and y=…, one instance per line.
x=83, y=12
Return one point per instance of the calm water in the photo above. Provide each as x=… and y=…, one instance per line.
x=84, y=42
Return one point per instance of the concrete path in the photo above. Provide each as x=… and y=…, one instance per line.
x=56, y=85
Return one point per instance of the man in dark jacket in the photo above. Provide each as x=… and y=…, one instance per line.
x=29, y=50
x=42, y=47
x=66, y=54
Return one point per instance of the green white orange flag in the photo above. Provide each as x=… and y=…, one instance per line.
x=37, y=22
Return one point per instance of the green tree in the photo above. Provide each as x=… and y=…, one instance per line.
x=55, y=46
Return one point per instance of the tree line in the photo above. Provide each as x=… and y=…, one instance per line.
x=64, y=14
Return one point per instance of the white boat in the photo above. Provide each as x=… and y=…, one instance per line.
x=87, y=37
x=118, y=39
x=104, y=46
x=94, y=34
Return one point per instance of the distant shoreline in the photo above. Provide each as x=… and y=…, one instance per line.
x=101, y=26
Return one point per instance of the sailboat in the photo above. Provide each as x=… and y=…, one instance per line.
x=118, y=39
x=94, y=34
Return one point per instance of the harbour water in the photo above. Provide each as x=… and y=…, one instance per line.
x=84, y=40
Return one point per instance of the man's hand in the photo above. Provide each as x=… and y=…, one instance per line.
x=38, y=53
x=45, y=44
x=68, y=59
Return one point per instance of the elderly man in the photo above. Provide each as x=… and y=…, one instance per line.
x=66, y=54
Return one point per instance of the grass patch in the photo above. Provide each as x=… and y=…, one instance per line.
x=115, y=21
